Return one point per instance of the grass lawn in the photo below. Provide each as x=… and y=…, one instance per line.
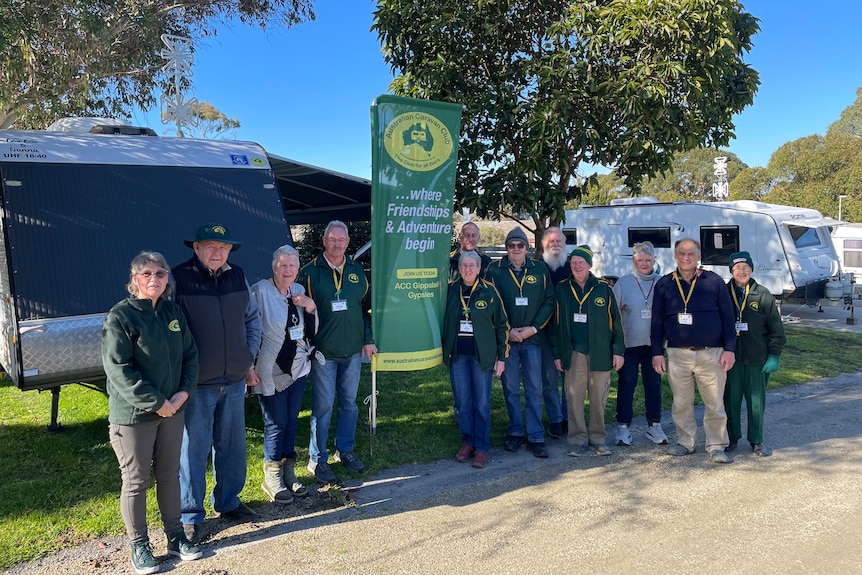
x=62, y=489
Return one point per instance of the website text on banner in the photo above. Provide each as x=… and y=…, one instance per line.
x=414, y=157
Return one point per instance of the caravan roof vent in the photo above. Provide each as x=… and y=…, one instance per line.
x=634, y=200
x=98, y=126
x=123, y=130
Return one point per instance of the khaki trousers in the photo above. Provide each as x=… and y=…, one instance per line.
x=581, y=383
x=702, y=368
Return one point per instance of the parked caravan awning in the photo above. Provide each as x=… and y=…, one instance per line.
x=313, y=195
x=814, y=222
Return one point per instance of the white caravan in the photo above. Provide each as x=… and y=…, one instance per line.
x=848, y=243
x=791, y=247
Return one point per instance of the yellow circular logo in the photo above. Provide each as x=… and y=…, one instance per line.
x=600, y=301
x=418, y=141
x=481, y=304
x=530, y=279
x=754, y=305
x=258, y=161
x=174, y=325
x=353, y=278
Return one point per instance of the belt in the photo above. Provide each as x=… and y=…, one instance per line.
x=696, y=348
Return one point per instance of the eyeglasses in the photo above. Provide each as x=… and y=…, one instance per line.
x=161, y=274
x=516, y=245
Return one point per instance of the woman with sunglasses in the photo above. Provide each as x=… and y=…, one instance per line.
x=151, y=362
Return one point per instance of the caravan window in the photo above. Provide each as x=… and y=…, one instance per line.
x=660, y=237
x=805, y=237
x=717, y=243
x=571, y=237
x=853, y=253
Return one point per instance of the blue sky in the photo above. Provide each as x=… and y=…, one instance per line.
x=306, y=93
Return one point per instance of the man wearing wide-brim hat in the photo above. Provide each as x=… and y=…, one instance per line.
x=759, y=342
x=224, y=319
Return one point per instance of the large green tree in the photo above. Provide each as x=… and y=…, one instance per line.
x=550, y=86
x=102, y=57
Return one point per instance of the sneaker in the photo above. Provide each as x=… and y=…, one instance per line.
x=241, y=514
x=760, y=449
x=464, y=453
x=480, y=458
x=679, y=450
x=180, y=546
x=513, y=443
x=578, y=451
x=538, y=449
x=732, y=445
x=602, y=449
x=322, y=472
x=555, y=429
x=719, y=456
x=624, y=436
x=656, y=434
x=142, y=558
x=193, y=533
x=350, y=461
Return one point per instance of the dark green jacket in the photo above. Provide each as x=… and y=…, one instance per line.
x=536, y=287
x=604, y=323
x=490, y=326
x=765, y=335
x=341, y=333
x=148, y=355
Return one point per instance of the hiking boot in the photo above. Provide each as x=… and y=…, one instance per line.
x=624, y=436
x=760, y=449
x=322, y=472
x=142, y=558
x=656, y=434
x=180, y=546
x=538, y=449
x=513, y=443
x=273, y=483
x=350, y=461
x=480, y=458
x=241, y=514
x=288, y=476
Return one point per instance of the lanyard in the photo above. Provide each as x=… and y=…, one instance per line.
x=685, y=297
x=464, y=305
x=582, y=300
x=520, y=284
x=736, y=301
x=651, y=284
x=337, y=279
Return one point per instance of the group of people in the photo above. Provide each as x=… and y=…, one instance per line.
x=179, y=356
x=535, y=323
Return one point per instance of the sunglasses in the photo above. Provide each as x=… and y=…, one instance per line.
x=161, y=274
x=516, y=245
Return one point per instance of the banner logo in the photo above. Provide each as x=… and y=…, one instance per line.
x=418, y=141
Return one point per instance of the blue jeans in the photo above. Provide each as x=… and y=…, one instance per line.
x=525, y=359
x=338, y=376
x=472, y=390
x=553, y=393
x=215, y=426
x=280, y=421
x=640, y=356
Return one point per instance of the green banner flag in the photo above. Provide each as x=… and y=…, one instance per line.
x=414, y=157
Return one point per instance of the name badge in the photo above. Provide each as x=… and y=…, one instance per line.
x=580, y=318
x=296, y=332
x=521, y=301
x=646, y=314
x=742, y=326
x=339, y=305
x=685, y=319
x=466, y=326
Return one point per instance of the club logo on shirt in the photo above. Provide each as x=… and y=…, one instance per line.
x=481, y=304
x=530, y=279
x=754, y=305
x=353, y=278
x=599, y=301
x=174, y=325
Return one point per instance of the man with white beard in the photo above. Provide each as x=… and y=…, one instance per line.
x=554, y=255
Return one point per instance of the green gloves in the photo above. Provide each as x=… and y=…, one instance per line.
x=771, y=365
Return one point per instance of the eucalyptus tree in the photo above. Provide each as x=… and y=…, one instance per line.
x=552, y=88
x=102, y=57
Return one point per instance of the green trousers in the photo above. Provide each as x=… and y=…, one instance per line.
x=748, y=382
